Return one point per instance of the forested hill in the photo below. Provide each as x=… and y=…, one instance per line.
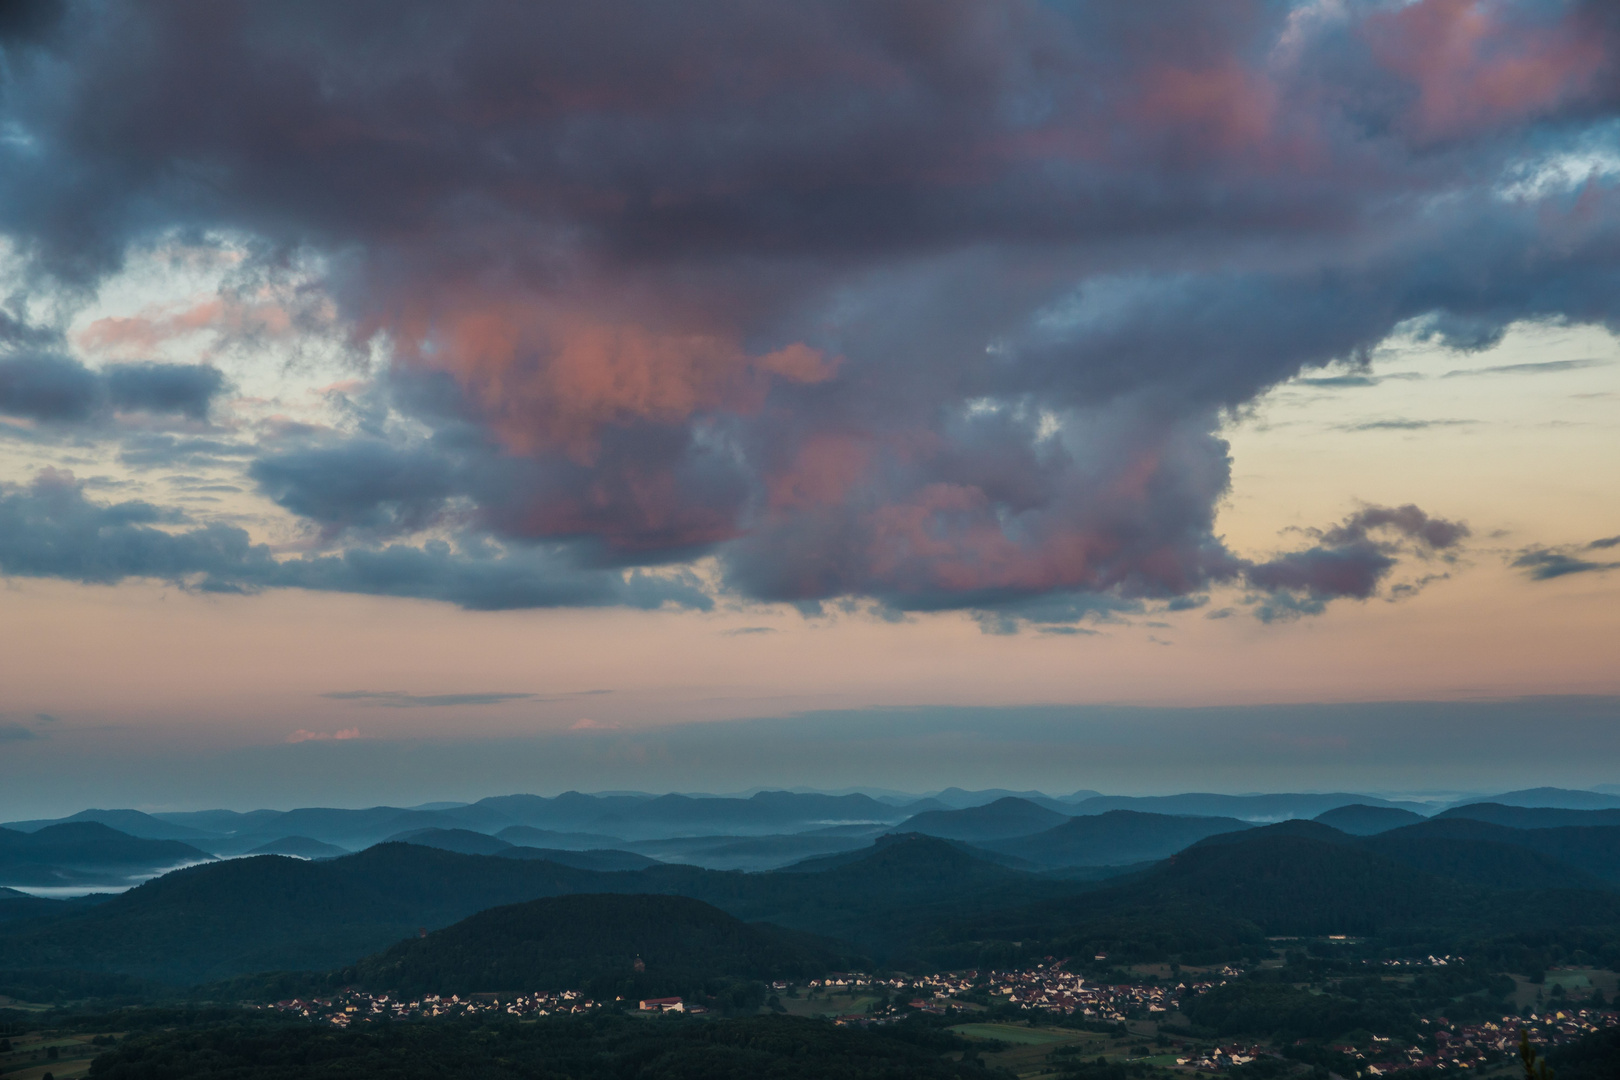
x=273, y=913
x=593, y=942
x=1225, y=894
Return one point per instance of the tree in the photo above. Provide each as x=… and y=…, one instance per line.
x=1535, y=1067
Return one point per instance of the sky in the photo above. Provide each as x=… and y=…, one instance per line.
x=408, y=401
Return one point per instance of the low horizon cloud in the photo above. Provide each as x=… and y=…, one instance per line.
x=399, y=699
x=342, y=735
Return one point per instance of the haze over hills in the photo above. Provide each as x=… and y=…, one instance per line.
x=86, y=853
x=1210, y=884
x=763, y=831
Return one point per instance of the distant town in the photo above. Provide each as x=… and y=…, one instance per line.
x=1045, y=991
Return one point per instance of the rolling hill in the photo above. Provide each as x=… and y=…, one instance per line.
x=603, y=859
x=1006, y=817
x=1115, y=838
x=1553, y=798
x=1530, y=817
x=1591, y=849
x=464, y=841
x=594, y=941
x=1252, y=808
x=301, y=847
x=275, y=913
x=1359, y=819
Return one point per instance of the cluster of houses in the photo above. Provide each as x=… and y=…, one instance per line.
x=1473, y=1045
x=1055, y=990
x=344, y=1008
x=1220, y=1058
x=1423, y=961
x=1046, y=987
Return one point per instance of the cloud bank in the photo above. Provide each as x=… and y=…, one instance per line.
x=940, y=305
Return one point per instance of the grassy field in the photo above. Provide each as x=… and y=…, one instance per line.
x=1016, y=1033
x=28, y=1060
x=1028, y=1053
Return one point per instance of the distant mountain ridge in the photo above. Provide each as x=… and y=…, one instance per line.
x=1551, y=798
x=1251, y=808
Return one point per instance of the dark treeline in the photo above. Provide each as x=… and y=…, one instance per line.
x=599, y=1048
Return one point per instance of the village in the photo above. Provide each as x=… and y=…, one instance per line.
x=347, y=1006
x=1067, y=998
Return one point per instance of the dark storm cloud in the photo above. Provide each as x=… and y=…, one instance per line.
x=49, y=529
x=58, y=389
x=938, y=304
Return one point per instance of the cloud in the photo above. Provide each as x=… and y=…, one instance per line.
x=1545, y=564
x=13, y=732
x=1543, y=367
x=57, y=389
x=342, y=735
x=748, y=631
x=586, y=724
x=1404, y=425
x=940, y=307
x=398, y=699
x=49, y=529
x=1351, y=560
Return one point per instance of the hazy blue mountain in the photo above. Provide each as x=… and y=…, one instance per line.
x=1530, y=817
x=595, y=942
x=1006, y=817
x=82, y=853
x=1555, y=798
x=1116, y=838
x=301, y=847
x=765, y=813
x=757, y=852
x=822, y=863
x=607, y=859
x=464, y=841
x=1359, y=819
x=1256, y=808
x=921, y=806
x=956, y=798
x=529, y=836
x=569, y=811
x=221, y=822
x=129, y=822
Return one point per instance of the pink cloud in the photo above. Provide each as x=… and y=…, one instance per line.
x=342, y=735
x=1474, y=67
